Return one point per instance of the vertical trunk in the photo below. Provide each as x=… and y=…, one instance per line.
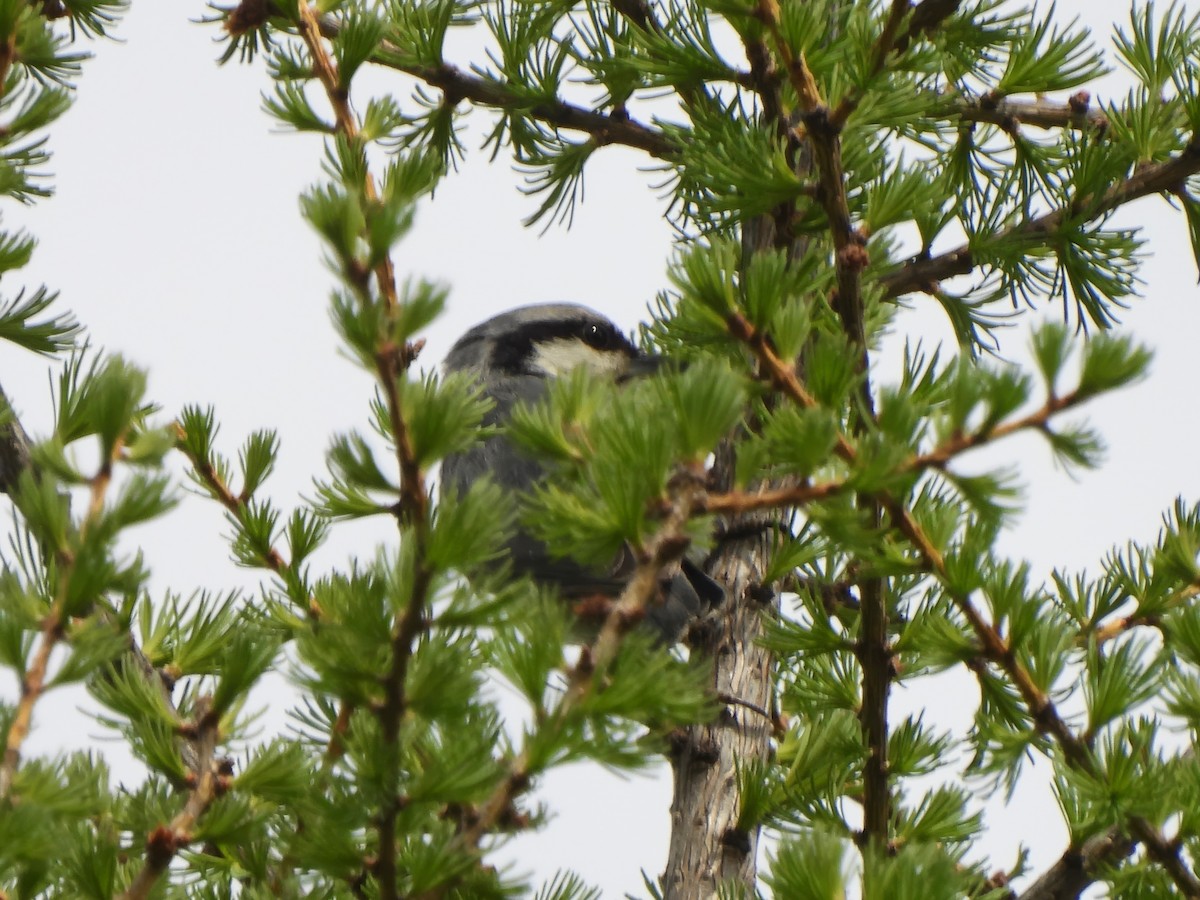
x=707, y=846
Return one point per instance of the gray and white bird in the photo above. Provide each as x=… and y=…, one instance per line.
x=514, y=356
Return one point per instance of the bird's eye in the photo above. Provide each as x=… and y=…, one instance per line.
x=596, y=336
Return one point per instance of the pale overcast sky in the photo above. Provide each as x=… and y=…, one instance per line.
x=175, y=237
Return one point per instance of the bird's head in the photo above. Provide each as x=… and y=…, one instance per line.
x=548, y=341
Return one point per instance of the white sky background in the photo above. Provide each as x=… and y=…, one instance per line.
x=175, y=237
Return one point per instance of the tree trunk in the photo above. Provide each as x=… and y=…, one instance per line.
x=707, y=846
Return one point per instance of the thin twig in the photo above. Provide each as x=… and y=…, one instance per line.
x=458, y=85
x=165, y=842
x=238, y=508
x=391, y=361
x=625, y=131
x=53, y=631
x=667, y=545
x=1077, y=113
x=823, y=131
x=414, y=507
x=883, y=47
x=937, y=458
x=923, y=274
x=32, y=686
x=994, y=647
x=339, y=98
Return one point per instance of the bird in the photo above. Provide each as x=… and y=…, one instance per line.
x=514, y=358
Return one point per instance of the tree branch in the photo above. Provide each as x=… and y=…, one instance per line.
x=234, y=505
x=1010, y=114
x=937, y=458
x=53, y=630
x=414, y=507
x=666, y=546
x=347, y=125
x=391, y=362
x=165, y=841
x=1076, y=869
x=33, y=682
x=884, y=44
x=458, y=85
x=995, y=649
x=923, y=274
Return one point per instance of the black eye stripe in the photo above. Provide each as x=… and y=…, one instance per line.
x=511, y=352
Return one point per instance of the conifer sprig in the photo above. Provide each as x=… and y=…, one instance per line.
x=103, y=401
x=924, y=274
x=209, y=780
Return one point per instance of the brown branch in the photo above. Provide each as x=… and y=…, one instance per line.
x=884, y=44
x=33, y=684
x=824, y=135
x=958, y=444
x=1043, y=710
x=414, y=508
x=15, y=459
x=774, y=229
x=927, y=16
x=823, y=132
x=666, y=546
x=764, y=80
x=873, y=649
x=1167, y=853
x=938, y=458
x=33, y=680
x=1009, y=114
x=391, y=362
x=237, y=508
x=922, y=274
x=1124, y=624
x=339, y=98
x=604, y=129
x=876, y=660
x=458, y=85
x=1077, y=869
x=995, y=649
x=165, y=841
x=732, y=502
x=795, y=64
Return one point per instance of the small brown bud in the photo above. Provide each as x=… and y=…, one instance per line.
x=595, y=607
x=854, y=256
x=247, y=16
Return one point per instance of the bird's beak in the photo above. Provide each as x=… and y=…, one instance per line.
x=641, y=366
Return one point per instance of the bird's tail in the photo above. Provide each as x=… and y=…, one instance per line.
x=687, y=596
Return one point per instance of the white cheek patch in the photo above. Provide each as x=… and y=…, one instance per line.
x=557, y=357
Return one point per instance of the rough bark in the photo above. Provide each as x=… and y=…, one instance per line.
x=1076, y=870
x=707, y=846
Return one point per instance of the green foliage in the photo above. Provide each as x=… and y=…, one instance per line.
x=401, y=764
